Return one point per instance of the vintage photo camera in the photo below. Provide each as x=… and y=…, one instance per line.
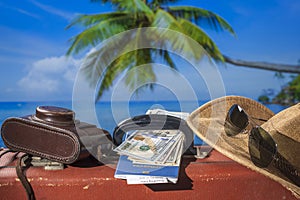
x=54, y=133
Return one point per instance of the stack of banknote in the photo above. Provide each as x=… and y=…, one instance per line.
x=155, y=147
x=151, y=156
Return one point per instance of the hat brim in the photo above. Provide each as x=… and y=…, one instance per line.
x=208, y=120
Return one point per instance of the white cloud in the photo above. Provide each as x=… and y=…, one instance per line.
x=61, y=13
x=22, y=11
x=27, y=13
x=51, y=75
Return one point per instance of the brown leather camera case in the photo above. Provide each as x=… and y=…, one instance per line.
x=50, y=133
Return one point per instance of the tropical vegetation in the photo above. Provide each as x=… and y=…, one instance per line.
x=131, y=14
x=289, y=94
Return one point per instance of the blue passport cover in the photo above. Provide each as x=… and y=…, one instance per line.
x=125, y=167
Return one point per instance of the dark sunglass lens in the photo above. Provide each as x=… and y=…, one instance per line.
x=262, y=147
x=236, y=120
x=238, y=117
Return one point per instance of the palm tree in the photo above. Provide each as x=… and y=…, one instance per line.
x=131, y=14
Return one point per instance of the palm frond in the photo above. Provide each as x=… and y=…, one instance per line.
x=180, y=43
x=164, y=1
x=140, y=77
x=202, y=38
x=197, y=15
x=165, y=56
x=89, y=20
x=104, y=65
x=147, y=1
x=113, y=71
x=93, y=66
x=98, y=32
x=96, y=63
x=136, y=74
x=163, y=19
x=131, y=6
x=156, y=4
x=141, y=73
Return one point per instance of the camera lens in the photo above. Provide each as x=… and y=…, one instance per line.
x=55, y=114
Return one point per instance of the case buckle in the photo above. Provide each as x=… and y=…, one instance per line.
x=43, y=162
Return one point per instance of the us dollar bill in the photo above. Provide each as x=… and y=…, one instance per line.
x=150, y=145
x=170, y=158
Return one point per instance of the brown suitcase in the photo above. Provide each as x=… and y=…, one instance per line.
x=215, y=177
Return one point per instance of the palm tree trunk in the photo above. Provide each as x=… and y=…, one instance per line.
x=264, y=65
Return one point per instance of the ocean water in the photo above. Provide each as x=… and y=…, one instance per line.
x=106, y=118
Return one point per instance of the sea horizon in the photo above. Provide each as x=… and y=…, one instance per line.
x=108, y=113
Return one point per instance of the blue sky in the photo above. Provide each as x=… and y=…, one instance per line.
x=33, y=43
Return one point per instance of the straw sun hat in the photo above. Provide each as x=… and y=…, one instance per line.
x=208, y=123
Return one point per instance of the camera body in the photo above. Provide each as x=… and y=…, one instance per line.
x=53, y=133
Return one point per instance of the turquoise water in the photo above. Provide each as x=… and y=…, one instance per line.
x=104, y=113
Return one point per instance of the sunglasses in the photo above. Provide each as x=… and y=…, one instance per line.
x=261, y=145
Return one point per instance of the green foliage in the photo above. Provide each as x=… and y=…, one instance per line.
x=131, y=14
x=264, y=99
x=294, y=88
x=197, y=15
x=289, y=94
